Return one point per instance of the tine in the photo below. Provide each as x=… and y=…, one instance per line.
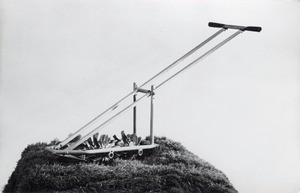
x=95, y=136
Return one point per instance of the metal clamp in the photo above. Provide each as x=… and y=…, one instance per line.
x=144, y=91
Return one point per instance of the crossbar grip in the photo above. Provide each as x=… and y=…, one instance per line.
x=243, y=28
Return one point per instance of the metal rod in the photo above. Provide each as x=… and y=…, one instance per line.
x=184, y=56
x=83, y=128
x=134, y=110
x=81, y=140
x=202, y=56
x=151, y=117
x=100, y=151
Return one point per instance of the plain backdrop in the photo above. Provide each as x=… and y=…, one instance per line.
x=62, y=62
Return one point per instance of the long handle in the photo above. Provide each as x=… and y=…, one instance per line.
x=135, y=103
x=83, y=128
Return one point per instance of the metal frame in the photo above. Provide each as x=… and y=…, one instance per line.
x=67, y=149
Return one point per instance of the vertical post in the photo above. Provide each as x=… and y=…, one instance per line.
x=151, y=116
x=134, y=110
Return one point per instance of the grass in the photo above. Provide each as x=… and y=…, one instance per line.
x=167, y=168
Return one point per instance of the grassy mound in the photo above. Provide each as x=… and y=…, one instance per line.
x=167, y=168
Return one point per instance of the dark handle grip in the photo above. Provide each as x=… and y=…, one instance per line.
x=253, y=28
x=213, y=24
x=243, y=28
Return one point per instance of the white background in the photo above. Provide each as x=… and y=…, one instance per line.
x=62, y=62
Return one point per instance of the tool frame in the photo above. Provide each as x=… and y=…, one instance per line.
x=67, y=148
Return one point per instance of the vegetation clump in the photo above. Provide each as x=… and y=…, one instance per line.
x=167, y=168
